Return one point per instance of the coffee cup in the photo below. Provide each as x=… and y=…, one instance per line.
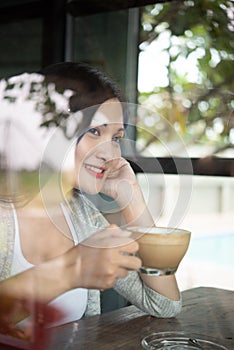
x=161, y=249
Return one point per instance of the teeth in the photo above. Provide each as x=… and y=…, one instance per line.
x=92, y=168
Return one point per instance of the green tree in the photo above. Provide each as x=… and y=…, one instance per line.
x=199, y=32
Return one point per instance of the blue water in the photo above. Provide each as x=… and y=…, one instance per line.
x=217, y=249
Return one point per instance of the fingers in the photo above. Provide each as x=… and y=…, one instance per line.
x=103, y=276
x=130, y=247
x=109, y=278
x=130, y=262
x=106, y=282
x=126, y=264
x=112, y=237
x=117, y=165
x=103, y=258
x=111, y=231
x=122, y=273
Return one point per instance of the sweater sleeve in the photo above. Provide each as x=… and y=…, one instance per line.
x=139, y=294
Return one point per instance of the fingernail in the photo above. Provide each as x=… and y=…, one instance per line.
x=121, y=234
x=126, y=233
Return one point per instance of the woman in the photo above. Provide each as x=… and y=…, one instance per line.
x=98, y=168
x=36, y=264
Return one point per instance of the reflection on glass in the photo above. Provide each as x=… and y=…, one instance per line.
x=30, y=112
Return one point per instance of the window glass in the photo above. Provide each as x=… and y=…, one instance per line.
x=107, y=40
x=21, y=46
x=204, y=205
x=185, y=79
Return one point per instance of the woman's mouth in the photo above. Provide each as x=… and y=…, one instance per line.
x=98, y=172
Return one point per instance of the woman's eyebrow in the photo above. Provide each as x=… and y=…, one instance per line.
x=119, y=130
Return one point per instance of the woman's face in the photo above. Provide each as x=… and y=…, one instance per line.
x=97, y=151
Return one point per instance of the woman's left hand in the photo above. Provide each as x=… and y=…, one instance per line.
x=120, y=182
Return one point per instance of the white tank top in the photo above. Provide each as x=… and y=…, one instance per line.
x=72, y=303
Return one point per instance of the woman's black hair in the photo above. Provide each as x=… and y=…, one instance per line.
x=90, y=85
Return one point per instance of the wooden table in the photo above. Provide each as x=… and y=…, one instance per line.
x=206, y=311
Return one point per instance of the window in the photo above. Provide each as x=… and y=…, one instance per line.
x=20, y=37
x=185, y=84
x=21, y=43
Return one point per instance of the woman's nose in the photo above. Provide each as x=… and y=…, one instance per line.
x=106, y=151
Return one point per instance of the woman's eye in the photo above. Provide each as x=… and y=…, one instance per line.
x=117, y=139
x=94, y=131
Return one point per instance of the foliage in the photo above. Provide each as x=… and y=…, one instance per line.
x=200, y=33
x=31, y=89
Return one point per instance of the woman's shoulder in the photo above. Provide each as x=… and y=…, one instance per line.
x=85, y=216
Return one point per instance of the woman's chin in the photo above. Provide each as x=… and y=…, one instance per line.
x=91, y=192
x=88, y=189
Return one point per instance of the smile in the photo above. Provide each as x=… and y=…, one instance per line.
x=96, y=171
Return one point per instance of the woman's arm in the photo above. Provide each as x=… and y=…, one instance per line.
x=95, y=263
x=146, y=298
x=137, y=213
x=128, y=195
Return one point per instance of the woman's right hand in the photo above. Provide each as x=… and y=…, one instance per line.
x=96, y=263
x=100, y=260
